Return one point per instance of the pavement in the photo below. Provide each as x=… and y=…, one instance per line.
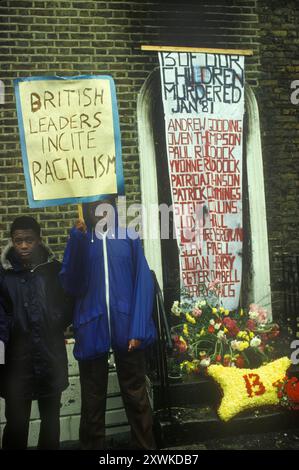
x=282, y=440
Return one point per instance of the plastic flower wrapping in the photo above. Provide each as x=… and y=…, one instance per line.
x=206, y=333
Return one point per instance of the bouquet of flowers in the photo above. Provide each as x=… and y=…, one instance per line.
x=205, y=333
x=288, y=393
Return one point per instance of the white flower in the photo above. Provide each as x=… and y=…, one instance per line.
x=253, y=315
x=221, y=335
x=205, y=362
x=202, y=303
x=212, y=322
x=175, y=308
x=255, y=342
x=217, y=326
x=236, y=345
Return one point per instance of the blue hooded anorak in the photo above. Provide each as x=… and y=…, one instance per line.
x=113, y=293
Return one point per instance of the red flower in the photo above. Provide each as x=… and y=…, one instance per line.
x=240, y=362
x=274, y=332
x=226, y=361
x=251, y=325
x=182, y=347
x=218, y=358
x=264, y=337
x=211, y=329
x=292, y=389
x=231, y=325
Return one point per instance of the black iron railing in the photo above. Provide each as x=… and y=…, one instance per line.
x=162, y=348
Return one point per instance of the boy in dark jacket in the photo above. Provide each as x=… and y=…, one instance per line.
x=108, y=274
x=35, y=312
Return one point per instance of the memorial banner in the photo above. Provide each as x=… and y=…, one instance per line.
x=70, y=138
x=203, y=98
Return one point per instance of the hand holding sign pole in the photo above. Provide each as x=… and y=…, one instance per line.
x=70, y=139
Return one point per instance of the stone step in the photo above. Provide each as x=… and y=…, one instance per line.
x=184, y=426
x=185, y=393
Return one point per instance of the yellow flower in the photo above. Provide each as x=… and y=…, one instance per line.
x=244, y=345
x=190, y=319
x=202, y=353
x=225, y=330
x=214, y=310
x=189, y=366
x=222, y=309
x=185, y=329
x=241, y=312
x=202, y=332
x=243, y=335
x=226, y=312
x=251, y=335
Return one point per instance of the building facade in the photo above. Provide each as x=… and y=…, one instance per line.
x=68, y=38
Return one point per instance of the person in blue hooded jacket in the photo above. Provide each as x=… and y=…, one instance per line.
x=105, y=269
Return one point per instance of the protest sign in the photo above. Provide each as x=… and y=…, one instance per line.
x=70, y=138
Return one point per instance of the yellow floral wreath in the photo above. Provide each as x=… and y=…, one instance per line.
x=248, y=388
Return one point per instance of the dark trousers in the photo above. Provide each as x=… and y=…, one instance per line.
x=94, y=380
x=17, y=413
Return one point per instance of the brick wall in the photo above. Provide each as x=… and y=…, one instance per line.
x=69, y=37
x=279, y=40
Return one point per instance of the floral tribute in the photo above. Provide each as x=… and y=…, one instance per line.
x=245, y=389
x=288, y=393
x=206, y=333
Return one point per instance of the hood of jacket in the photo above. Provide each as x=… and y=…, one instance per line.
x=114, y=216
x=7, y=256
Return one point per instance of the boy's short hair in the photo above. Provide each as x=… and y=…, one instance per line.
x=25, y=223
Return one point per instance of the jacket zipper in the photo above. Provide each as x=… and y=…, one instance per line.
x=41, y=264
x=104, y=235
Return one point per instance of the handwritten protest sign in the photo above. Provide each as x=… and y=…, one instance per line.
x=70, y=138
x=203, y=97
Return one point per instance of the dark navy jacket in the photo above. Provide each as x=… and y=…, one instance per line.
x=130, y=292
x=34, y=313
